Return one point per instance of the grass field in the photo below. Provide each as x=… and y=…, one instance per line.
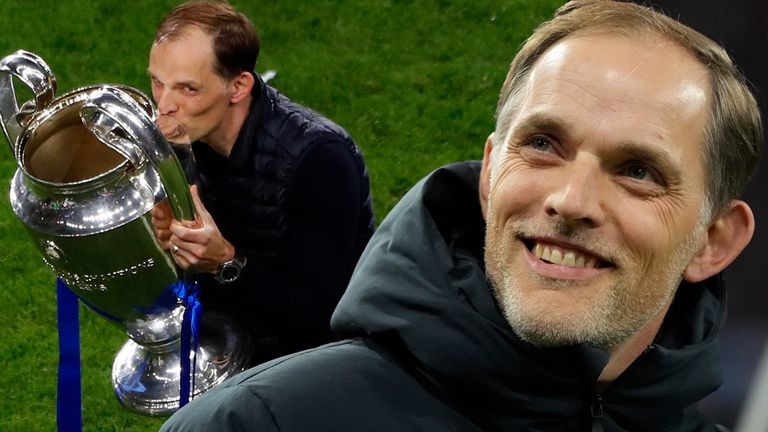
x=415, y=82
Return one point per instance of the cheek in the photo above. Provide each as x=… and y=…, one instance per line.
x=652, y=231
x=514, y=192
x=208, y=108
x=191, y=106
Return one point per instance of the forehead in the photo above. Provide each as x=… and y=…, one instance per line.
x=640, y=89
x=188, y=55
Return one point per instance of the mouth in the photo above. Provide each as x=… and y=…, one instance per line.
x=565, y=256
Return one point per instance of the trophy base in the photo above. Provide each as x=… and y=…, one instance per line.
x=147, y=379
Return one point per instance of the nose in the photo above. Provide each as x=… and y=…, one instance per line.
x=164, y=100
x=577, y=198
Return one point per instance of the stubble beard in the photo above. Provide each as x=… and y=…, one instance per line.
x=605, y=320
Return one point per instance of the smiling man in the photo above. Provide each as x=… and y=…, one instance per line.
x=569, y=281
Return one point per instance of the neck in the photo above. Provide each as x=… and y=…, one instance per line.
x=623, y=355
x=223, y=139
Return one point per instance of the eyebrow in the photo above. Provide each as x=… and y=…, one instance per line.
x=543, y=121
x=650, y=155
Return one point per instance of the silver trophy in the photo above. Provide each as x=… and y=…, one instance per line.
x=92, y=164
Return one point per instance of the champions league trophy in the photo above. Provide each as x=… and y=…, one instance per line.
x=92, y=164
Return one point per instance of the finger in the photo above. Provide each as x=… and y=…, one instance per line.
x=161, y=214
x=180, y=254
x=202, y=212
x=157, y=212
x=194, y=242
x=163, y=235
x=162, y=228
x=192, y=224
x=186, y=258
x=182, y=234
x=161, y=223
x=180, y=258
x=163, y=242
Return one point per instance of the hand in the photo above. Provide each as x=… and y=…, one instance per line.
x=201, y=246
x=173, y=131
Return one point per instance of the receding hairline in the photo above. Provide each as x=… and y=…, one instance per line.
x=642, y=34
x=180, y=31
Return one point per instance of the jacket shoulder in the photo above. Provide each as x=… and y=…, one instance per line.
x=230, y=408
x=351, y=385
x=298, y=392
x=287, y=117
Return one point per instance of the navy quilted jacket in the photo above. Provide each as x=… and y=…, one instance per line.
x=294, y=198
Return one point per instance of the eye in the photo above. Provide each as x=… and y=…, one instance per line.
x=642, y=173
x=539, y=143
x=638, y=172
x=189, y=89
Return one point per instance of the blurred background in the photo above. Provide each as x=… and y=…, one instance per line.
x=414, y=81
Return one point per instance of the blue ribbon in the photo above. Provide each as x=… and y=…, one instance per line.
x=188, y=293
x=68, y=403
x=69, y=414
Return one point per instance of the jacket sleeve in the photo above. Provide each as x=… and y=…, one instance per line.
x=230, y=409
x=324, y=207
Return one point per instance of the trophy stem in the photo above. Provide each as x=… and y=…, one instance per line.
x=146, y=378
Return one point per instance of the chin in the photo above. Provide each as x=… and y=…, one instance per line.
x=547, y=317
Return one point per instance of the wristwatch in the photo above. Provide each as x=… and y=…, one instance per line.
x=230, y=270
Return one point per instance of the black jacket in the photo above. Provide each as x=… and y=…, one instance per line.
x=294, y=198
x=428, y=349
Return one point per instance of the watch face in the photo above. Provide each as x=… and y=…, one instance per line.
x=229, y=273
x=231, y=270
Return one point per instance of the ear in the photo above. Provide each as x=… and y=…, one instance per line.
x=242, y=85
x=724, y=240
x=484, y=187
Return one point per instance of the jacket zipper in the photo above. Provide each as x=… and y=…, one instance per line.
x=596, y=408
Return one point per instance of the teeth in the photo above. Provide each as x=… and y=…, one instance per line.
x=556, y=256
x=565, y=258
x=569, y=260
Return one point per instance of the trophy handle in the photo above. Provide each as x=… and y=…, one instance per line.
x=35, y=74
x=120, y=122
